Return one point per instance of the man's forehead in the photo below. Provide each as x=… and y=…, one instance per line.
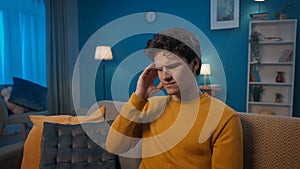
x=163, y=59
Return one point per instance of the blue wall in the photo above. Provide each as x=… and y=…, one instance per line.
x=231, y=44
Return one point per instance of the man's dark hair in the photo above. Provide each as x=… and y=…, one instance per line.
x=171, y=44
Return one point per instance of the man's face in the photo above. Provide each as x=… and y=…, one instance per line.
x=175, y=74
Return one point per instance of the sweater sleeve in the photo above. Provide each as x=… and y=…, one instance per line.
x=228, y=145
x=126, y=130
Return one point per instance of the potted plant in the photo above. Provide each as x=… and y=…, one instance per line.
x=256, y=91
x=254, y=46
x=282, y=14
x=278, y=97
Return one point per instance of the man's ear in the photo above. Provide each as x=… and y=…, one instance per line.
x=195, y=64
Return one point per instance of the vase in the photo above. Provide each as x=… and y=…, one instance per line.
x=277, y=100
x=279, y=77
x=256, y=97
x=283, y=16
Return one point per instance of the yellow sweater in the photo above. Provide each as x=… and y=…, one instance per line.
x=202, y=133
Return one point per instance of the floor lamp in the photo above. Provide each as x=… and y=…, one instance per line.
x=205, y=70
x=103, y=53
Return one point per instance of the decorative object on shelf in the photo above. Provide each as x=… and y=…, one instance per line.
x=205, y=70
x=273, y=38
x=256, y=91
x=254, y=42
x=103, y=53
x=278, y=97
x=282, y=14
x=279, y=78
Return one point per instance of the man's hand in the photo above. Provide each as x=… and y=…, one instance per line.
x=145, y=85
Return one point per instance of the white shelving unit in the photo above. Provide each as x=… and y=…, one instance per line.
x=276, y=36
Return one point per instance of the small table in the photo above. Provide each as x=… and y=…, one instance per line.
x=210, y=89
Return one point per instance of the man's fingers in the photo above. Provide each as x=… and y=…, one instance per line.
x=149, y=68
x=159, y=86
x=150, y=72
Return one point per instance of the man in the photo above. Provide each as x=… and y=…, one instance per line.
x=185, y=129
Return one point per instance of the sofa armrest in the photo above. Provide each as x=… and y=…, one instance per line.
x=11, y=156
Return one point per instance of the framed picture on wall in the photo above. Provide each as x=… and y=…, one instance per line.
x=224, y=14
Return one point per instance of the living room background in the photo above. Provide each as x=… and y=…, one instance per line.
x=231, y=44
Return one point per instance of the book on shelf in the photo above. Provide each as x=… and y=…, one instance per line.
x=259, y=16
x=252, y=79
x=256, y=75
x=285, y=55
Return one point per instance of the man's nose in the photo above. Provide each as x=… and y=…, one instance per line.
x=166, y=75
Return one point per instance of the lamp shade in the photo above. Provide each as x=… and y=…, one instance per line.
x=103, y=53
x=205, y=69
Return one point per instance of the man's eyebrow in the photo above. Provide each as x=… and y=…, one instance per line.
x=172, y=65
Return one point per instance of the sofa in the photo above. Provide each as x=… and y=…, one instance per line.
x=270, y=141
x=24, y=95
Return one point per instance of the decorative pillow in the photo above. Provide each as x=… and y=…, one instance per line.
x=31, y=152
x=14, y=108
x=28, y=94
x=73, y=146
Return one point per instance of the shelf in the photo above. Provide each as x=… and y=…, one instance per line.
x=273, y=22
x=272, y=63
x=273, y=84
x=269, y=103
x=277, y=52
x=270, y=42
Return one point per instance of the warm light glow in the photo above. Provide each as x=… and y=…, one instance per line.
x=103, y=53
x=205, y=69
x=259, y=2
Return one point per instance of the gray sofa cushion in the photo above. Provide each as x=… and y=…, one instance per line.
x=69, y=146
